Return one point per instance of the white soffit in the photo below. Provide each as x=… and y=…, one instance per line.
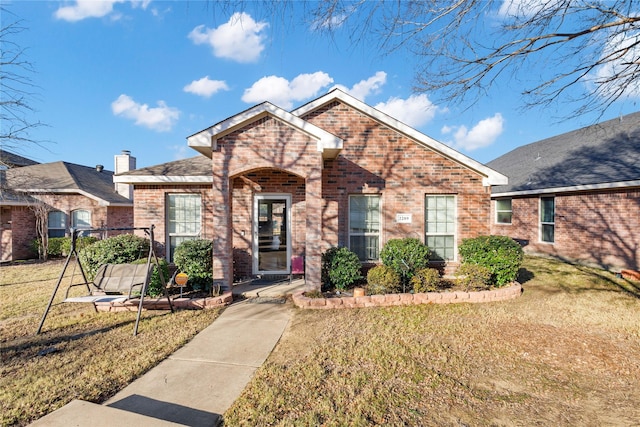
x=205, y=141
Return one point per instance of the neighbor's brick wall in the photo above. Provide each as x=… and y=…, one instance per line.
x=378, y=160
x=600, y=228
x=149, y=209
x=23, y=232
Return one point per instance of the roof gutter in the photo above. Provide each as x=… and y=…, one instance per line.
x=585, y=187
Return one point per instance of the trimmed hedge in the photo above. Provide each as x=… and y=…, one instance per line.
x=382, y=279
x=121, y=249
x=500, y=254
x=340, y=268
x=195, y=258
x=425, y=280
x=405, y=256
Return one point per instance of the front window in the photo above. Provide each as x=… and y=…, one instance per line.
x=440, y=226
x=56, y=224
x=364, y=226
x=503, y=211
x=547, y=219
x=184, y=219
x=81, y=219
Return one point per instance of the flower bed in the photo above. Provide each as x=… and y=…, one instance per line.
x=500, y=294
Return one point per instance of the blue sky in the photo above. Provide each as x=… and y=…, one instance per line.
x=144, y=75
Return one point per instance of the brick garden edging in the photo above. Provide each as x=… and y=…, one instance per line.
x=162, y=304
x=501, y=294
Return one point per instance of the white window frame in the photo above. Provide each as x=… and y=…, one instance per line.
x=64, y=223
x=547, y=223
x=365, y=234
x=74, y=218
x=454, y=234
x=169, y=223
x=499, y=211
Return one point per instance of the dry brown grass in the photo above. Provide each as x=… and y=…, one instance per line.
x=567, y=353
x=81, y=354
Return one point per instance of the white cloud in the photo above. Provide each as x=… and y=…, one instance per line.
x=83, y=9
x=283, y=93
x=206, y=87
x=240, y=39
x=364, y=88
x=415, y=111
x=483, y=134
x=161, y=118
x=624, y=48
x=524, y=8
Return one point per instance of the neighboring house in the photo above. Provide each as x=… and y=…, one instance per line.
x=69, y=195
x=575, y=196
x=273, y=184
x=10, y=160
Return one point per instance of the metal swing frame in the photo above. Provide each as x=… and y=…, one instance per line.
x=73, y=254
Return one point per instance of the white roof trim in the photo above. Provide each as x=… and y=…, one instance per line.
x=585, y=187
x=100, y=201
x=205, y=141
x=491, y=177
x=162, y=179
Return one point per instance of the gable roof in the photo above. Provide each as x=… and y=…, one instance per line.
x=604, y=155
x=188, y=171
x=205, y=141
x=63, y=177
x=490, y=176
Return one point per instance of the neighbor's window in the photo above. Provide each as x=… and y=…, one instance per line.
x=503, y=211
x=56, y=224
x=547, y=219
x=364, y=226
x=81, y=218
x=184, y=219
x=440, y=226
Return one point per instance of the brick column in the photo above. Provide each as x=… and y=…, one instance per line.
x=221, y=224
x=313, y=201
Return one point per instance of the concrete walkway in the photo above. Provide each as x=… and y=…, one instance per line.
x=200, y=381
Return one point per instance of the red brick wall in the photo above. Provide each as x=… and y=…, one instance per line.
x=600, y=228
x=378, y=160
x=149, y=209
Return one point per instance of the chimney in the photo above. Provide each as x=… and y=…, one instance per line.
x=99, y=168
x=124, y=162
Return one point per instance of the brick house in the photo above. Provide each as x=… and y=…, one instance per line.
x=70, y=195
x=575, y=196
x=271, y=185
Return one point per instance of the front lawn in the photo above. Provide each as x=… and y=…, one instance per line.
x=567, y=352
x=81, y=354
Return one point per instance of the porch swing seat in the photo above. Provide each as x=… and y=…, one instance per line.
x=114, y=283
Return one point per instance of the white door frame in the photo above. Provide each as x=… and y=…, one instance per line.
x=255, y=244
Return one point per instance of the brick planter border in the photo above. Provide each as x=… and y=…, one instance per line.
x=501, y=294
x=162, y=304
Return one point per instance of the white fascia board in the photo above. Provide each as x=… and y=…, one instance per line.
x=585, y=187
x=490, y=176
x=162, y=179
x=205, y=141
x=101, y=202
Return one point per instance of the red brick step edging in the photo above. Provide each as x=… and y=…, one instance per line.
x=630, y=274
x=162, y=304
x=501, y=294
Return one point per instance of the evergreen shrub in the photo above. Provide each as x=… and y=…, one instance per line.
x=500, y=254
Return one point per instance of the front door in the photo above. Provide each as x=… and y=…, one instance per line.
x=271, y=233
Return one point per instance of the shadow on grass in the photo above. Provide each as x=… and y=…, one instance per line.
x=524, y=275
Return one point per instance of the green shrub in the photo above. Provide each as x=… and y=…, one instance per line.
x=500, y=254
x=344, y=268
x=327, y=259
x=120, y=249
x=405, y=256
x=474, y=277
x=155, y=284
x=81, y=243
x=195, y=258
x=382, y=279
x=425, y=280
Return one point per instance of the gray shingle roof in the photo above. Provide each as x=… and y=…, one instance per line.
x=605, y=153
x=11, y=160
x=65, y=177
x=194, y=166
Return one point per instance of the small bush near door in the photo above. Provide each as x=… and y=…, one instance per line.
x=340, y=268
x=195, y=258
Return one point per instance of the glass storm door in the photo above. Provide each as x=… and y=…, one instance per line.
x=271, y=234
